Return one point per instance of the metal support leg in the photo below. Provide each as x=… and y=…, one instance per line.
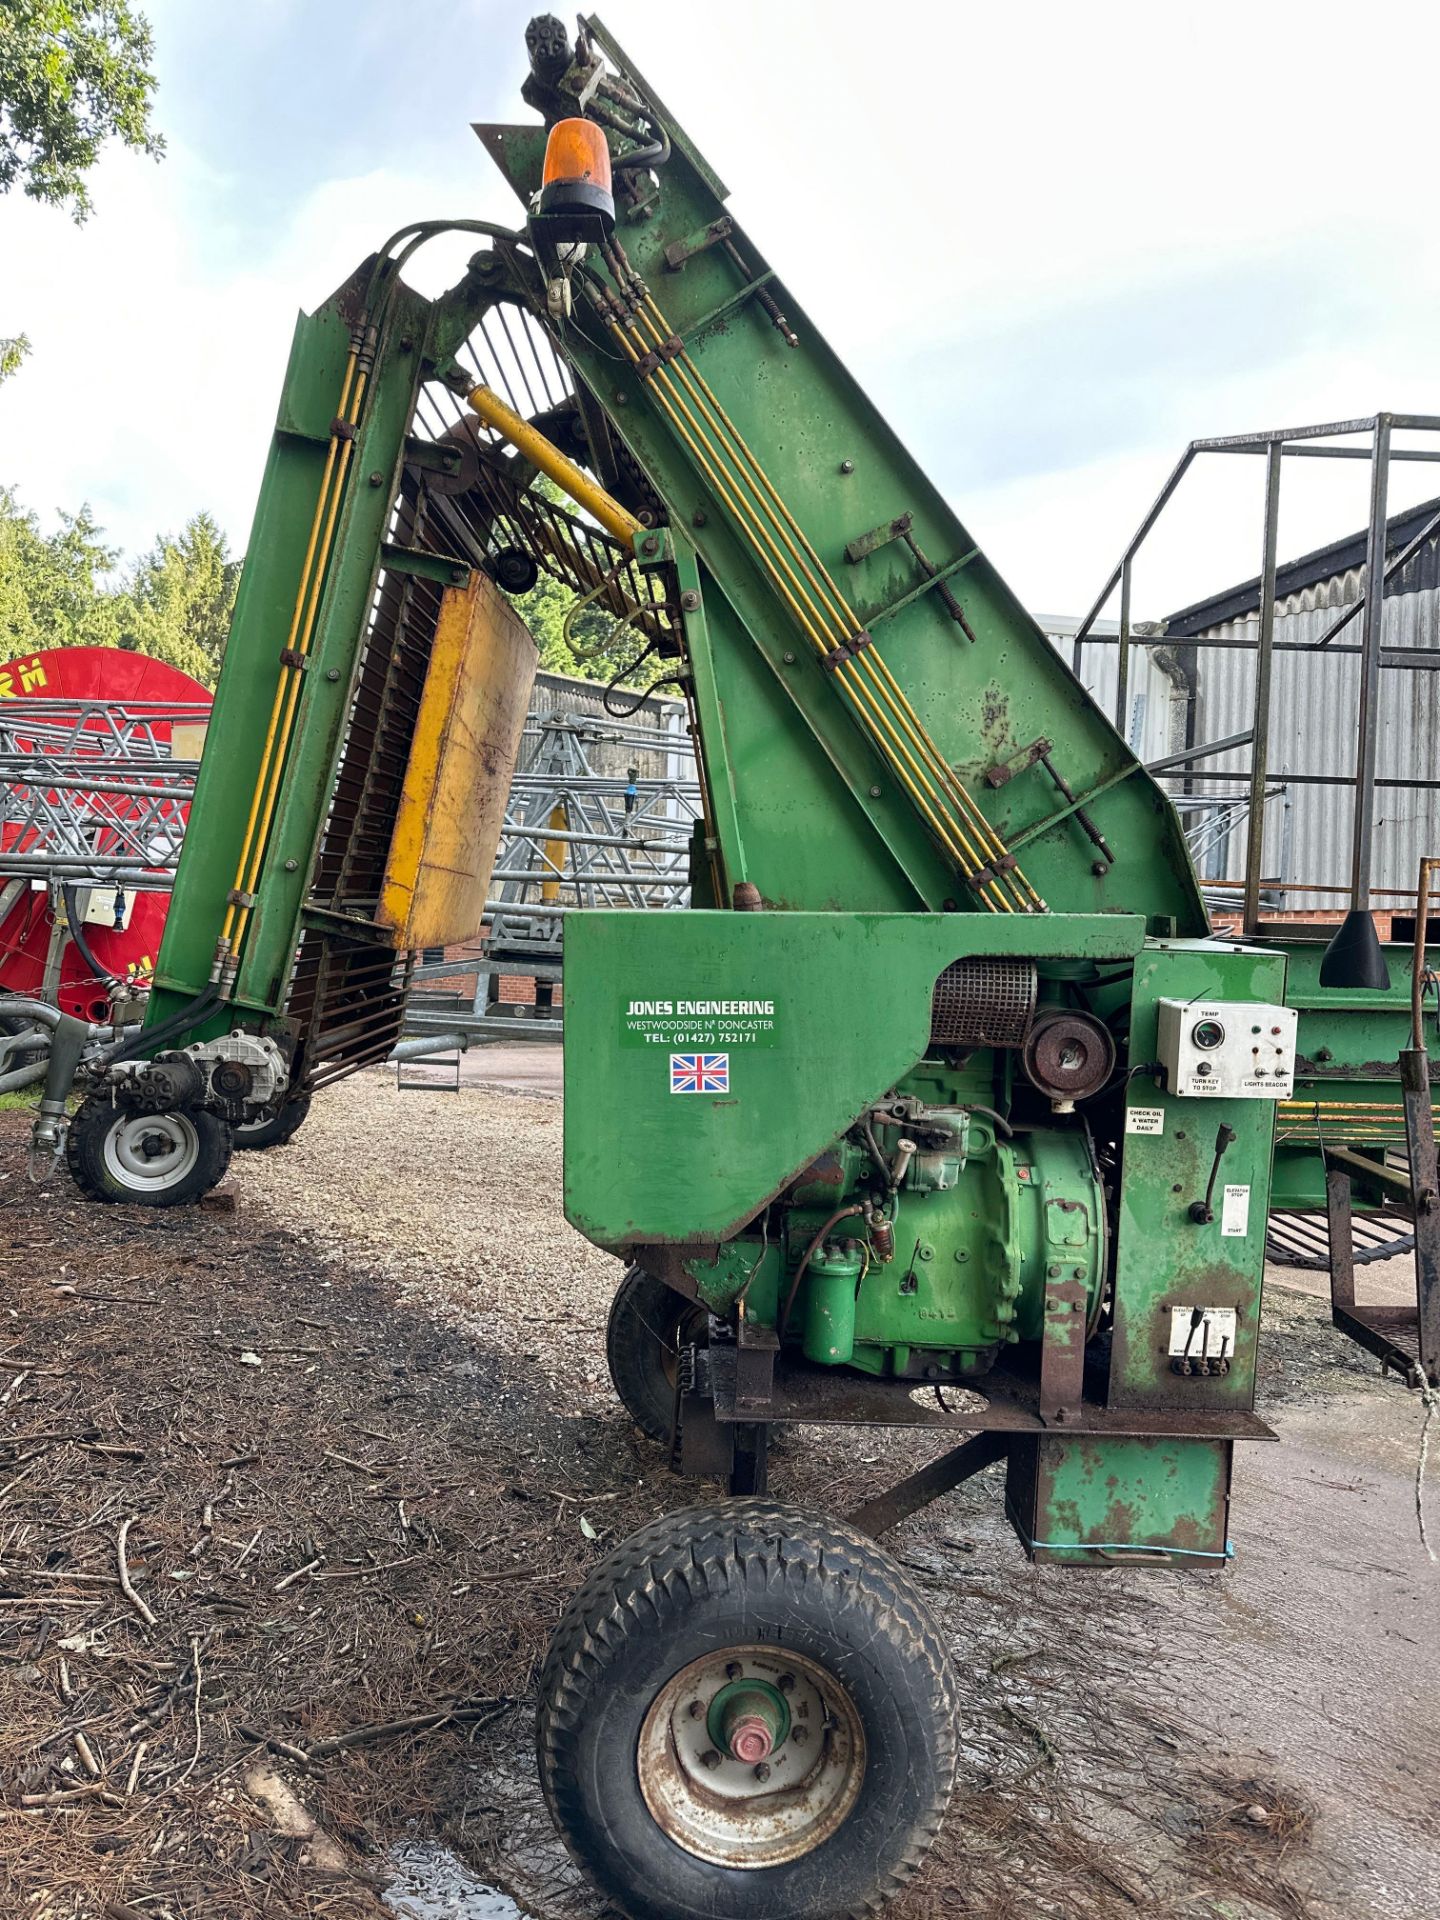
x=750, y=1466
x=1342, y=1242
x=1122, y=657
x=942, y=1476
x=1062, y=1350
x=1362, y=843
x=1260, y=734
x=1420, y=1140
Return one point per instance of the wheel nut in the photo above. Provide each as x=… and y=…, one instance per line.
x=710, y=1758
x=786, y=1682
x=762, y=1772
x=696, y=1709
x=734, y=1670
x=800, y=1736
x=751, y=1739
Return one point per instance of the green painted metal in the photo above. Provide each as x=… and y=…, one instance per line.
x=274, y=558
x=1164, y=1260
x=1078, y=1501
x=1347, y=1058
x=824, y=822
x=851, y=1017
x=340, y=628
x=833, y=1281
x=403, y=336
x=1013, y=1215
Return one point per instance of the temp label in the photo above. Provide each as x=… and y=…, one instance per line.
x=1202, y=1333
x=1235, y=1213
x=1144, y=1120
x=716, y=1025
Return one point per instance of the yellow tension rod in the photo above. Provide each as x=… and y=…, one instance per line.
x=530, y=442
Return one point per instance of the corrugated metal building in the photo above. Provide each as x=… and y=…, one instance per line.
x=1313, y=716
x=1159, y=692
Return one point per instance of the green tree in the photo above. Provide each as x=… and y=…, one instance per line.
x=56, y=590
x=12, y=354
x=52, y=591
x=73, y=74
x=598, y=647
x=180, y=598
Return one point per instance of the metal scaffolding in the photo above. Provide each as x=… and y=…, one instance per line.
x=1248, y=805
x=600, y=814
x=89, y=790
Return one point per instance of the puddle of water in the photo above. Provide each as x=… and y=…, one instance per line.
x=431, y=1884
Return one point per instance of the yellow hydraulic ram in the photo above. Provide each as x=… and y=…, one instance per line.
x=530, y=442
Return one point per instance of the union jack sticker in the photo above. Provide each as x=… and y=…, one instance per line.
x=699, y=1073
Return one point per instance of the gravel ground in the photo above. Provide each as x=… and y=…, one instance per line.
x=456, y=1198
x=1253, y=1744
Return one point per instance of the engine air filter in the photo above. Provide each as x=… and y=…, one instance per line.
x=983, y=1003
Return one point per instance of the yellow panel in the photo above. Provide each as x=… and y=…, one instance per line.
x=467, y=738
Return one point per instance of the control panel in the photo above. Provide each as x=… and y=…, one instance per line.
x=1233, y=1049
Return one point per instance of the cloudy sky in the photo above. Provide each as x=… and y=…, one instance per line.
x=1056, y=242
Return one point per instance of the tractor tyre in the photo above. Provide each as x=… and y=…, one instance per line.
x=747, y=1712
x=145, y=1159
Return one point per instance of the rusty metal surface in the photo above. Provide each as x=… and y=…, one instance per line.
x=1425, y=1181
x=1068, y=1054
x=1062, y=1349
x=462, y=755
x=1342, y=1239
x=1003, y=1403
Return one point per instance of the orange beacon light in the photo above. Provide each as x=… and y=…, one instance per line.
x=576, y=197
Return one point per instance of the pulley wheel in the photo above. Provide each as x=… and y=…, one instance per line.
x=514, y=570
x=1067, y=1054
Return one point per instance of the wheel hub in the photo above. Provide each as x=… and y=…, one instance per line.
x=751, y=1756
x=749, y=1719
x=154, y=1150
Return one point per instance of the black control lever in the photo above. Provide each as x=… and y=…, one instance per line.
x=1201, y=1211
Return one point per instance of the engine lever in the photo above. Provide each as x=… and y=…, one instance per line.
x=1202, y=1212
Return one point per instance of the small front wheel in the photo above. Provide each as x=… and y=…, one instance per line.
x=145, y=1159
x=746, y=1713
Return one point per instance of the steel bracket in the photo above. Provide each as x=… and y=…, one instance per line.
x=679, y=251
x=1062, y=1350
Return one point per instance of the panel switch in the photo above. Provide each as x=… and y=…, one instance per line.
x=1227, y=1049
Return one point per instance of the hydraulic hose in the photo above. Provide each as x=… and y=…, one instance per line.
x=37, y=1013
x=170, y=1029
x=69, y=894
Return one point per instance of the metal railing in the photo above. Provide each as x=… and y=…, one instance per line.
x=1275, y=446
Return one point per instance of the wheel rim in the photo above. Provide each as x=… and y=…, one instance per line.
x=152, y=1150
x=751, y=1757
